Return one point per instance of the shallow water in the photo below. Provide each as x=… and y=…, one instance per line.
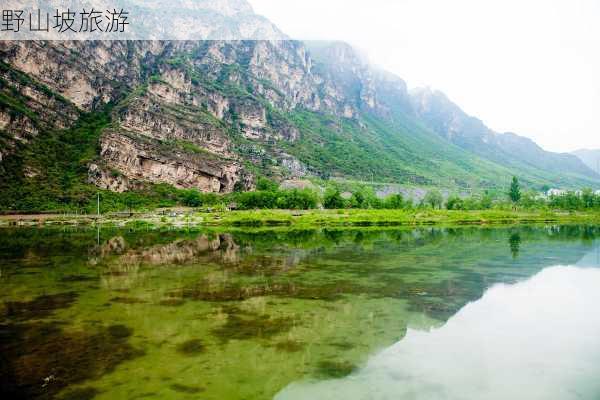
x=430, y=313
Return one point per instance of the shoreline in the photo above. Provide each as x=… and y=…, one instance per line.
x=183, y=218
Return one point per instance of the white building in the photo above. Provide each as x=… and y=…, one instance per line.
x=555, y=192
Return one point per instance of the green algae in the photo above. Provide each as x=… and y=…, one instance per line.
x=178, y=387
x=242, y=325
x=239, y=315
x=171, y=302
x=41, y=358
x=127, y=300
x=328, y=369
x=40, y=307
x=83, y=393
x=291, y=346
x=191, y=347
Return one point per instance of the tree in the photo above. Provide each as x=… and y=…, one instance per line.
x=395, y=202
x=357, y=200
x=333, y=199
x=455, y=203
x=486, y=201
x=515, y=190
x=588, y=198
x=266, y=185
x=434, y=198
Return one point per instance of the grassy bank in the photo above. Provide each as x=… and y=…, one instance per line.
x=311, y=218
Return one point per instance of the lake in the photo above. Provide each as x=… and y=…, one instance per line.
x=426, y=313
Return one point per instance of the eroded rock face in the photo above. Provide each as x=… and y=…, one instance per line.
x=84, y=72
x=150, y=116
x=144, y=160
x=187, y=113
x=108, y=180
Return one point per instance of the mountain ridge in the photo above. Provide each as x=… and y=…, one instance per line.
x=214, y=115
x=449, y=120
x=591, y=157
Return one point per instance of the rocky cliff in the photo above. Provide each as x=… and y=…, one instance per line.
x=214, y=114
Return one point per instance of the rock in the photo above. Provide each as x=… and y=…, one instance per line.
x=138, y=158
x=112, y=181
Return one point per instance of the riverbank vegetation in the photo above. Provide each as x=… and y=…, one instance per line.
x=328, y=195
x=194, y=218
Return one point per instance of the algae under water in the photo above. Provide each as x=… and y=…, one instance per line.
x=426, y=313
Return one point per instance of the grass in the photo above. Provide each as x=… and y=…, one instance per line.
x=317, y=218
x=391, y=217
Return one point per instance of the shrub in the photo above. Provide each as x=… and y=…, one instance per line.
x=395, y=202
x=264, y=184
x=455, y=203
x=295, y=199
x=259, y=199
x=333, y=199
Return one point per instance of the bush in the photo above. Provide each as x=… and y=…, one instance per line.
x=395, y=202
x=266, y=185
x=333, y=199
x=455, y=203
x=194, y=198
x=259, y=199
x=295, y=199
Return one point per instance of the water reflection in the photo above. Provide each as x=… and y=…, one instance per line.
x=242, y=314
x=515, y=244
x=537, y=339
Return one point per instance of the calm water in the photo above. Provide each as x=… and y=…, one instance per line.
x=465, y=313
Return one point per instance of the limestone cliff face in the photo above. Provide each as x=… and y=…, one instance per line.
x=176, y=104
x=28, y=108
x=136, y=159
x=88, y=73
x=202, y=114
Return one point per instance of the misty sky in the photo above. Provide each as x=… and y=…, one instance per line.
x=530, y=67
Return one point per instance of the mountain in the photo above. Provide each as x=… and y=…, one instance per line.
x=508, y=149
x=151, y=20
x=130, y=116
x=591, y=158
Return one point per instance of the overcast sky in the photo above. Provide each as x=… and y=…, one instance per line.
x=527, y=66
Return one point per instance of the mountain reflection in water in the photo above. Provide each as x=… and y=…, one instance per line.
x=537, y=339
x=464, y=313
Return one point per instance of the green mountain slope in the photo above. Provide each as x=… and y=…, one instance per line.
x=156, y=117
x=508, y=149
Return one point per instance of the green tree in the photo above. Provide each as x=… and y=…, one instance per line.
x=486, y=201
x=515, y=190
x=358, y=199
x=434, y=198
x=395, y=202
x=333, y=199
x=191, y=198
x=295, y=199
x=455, y=203
x=588, y=198
x=266, y=185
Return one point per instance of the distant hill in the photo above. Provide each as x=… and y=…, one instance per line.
x=591, y=158
x=508, y=149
